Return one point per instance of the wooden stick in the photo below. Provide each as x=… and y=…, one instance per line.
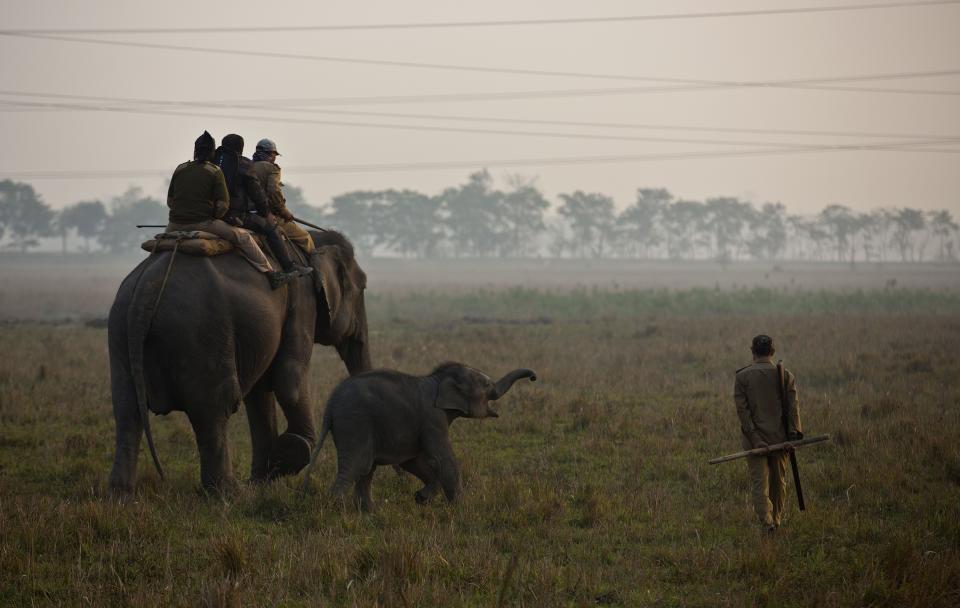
x=771, y=448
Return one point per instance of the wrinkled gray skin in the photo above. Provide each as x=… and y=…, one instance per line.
x=221, y=335
x=389, y=418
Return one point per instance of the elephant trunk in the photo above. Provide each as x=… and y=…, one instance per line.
x=355, y=349
x=504, y=384
x=355, y=353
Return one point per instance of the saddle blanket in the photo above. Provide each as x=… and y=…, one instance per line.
x=193, y=242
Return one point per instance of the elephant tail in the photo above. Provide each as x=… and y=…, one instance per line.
x=140, y=316
x=325, y=427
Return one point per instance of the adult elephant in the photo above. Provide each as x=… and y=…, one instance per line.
x=204, y=333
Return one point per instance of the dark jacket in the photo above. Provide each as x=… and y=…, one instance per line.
x=268, y=174
x=757, y=396
x=246, y=193
x=197, y=193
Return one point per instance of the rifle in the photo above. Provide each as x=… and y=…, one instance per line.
x=784, y=415
x=151, y=225
x=777, y=447
x=308, y=224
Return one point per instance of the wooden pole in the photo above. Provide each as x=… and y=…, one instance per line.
x=771, y=448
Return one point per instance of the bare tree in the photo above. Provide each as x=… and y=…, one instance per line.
x=943, y=227
x=906, y=223
x=522, y=209
x=768, y=231
x=639, y=223
x=23, y=214
x=592, y=219
x=842, y=224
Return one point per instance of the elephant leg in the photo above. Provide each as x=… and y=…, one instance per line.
x=354, y=463
x=420, y=468
x=128, y=432
x=442, y=460
x=216, y=471
x=291, y=450
x=262, y=418
x=362, y=491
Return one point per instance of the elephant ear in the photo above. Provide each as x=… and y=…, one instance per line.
x=335, y=283
x=450, y=397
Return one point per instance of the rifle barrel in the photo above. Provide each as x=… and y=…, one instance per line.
x=770, y=449
x=306, y=223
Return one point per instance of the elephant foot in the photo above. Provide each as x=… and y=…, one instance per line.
x=225, y=487
x=423, y=495
x=289, y=454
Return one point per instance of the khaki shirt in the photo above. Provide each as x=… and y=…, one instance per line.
x=268, y=174
x=197, y=193
x=756, y=394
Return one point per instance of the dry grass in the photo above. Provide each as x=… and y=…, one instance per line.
x=592, y=488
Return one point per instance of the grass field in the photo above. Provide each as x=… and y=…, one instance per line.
x=592, y=488
x=51, y=287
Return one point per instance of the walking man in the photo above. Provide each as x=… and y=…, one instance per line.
x=764, y=421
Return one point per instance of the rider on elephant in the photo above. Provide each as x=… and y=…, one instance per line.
x=267, y=171
x=248, y=204
x=198, y=198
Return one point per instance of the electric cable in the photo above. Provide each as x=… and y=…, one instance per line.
x=495, y=23
x=683, y=84
x=460, y=164
x=267, y=105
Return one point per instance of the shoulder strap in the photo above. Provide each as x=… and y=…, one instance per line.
x=782, y=394
x=229, y=163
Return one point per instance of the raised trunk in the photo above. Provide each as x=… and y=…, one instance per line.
x=504, y=384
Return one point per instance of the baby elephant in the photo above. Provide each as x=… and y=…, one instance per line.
x=385, y=417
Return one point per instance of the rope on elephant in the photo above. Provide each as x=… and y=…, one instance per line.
x=166, y=277
x=141, y=395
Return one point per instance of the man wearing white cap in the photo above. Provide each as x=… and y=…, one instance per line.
x=267, y=171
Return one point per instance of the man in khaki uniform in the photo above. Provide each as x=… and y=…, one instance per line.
x=267, y=171
x=756, y=393
x=198, y=197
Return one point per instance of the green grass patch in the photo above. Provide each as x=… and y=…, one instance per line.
x=544, y=306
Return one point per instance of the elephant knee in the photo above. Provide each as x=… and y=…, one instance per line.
x=287, y=394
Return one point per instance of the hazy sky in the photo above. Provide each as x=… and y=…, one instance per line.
x=747, y=48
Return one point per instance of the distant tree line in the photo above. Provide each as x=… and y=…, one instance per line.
x=476, y=219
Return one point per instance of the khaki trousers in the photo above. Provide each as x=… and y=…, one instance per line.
x=297, y=235
x=241, y=238
x=768, y=486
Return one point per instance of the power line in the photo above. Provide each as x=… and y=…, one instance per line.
x=460, y=164
x=403, y=127
x=433, y=128
x=684, y=84
x=496, y=23
x=459, y=118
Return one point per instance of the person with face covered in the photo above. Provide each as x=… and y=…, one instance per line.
x=198, y=198
x=248, y=204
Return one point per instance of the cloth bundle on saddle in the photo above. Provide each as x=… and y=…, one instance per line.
x=194, y=242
